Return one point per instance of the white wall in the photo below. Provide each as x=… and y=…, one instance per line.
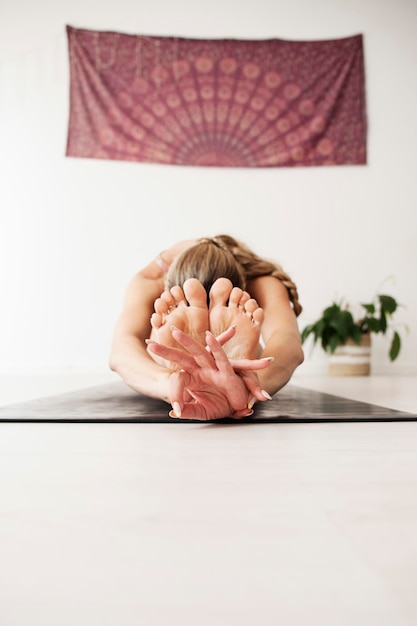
x=73, y=231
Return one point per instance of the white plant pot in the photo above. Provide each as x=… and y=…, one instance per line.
x=349, y=359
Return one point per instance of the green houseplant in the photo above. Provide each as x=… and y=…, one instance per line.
x=338, y=327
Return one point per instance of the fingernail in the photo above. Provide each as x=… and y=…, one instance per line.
x=173, y=328
x=266, y=394
x=248, y=414
x=268, y=358
x=251, y=402
x=172, y=414
x=208, y=333
x=177, y=409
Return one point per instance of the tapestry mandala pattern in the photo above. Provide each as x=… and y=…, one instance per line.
x=227, y=102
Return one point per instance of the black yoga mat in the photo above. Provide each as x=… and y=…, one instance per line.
x=115, y=402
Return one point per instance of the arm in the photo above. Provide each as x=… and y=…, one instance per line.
x=129, y=357
x=279, y=332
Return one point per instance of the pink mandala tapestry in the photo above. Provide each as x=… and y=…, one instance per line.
x=220, y=102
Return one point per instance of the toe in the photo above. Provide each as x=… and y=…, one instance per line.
x=168, y=298
x=195, y=293
x=235, y=298
x=156, y=320
x=258, y=316
x=251, y=305
x=160, y=306
x=220, y=292
x=244, y=299
x=177, y=295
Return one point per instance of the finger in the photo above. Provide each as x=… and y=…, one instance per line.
x=218, y=353
x=179, y=357
x=191, y=411
x=200, y=355
x=252, y=383
x=238, y=415
x=177, y=384
x=194, y=412
x=251, y=364
x=226, y=335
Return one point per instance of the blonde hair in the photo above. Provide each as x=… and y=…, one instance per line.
x=223, y=256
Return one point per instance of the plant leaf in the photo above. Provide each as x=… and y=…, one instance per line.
x=383, y=323
x=373, y=324
x=333, y=343
x=342, y=323
x=306, y=332
x=395, y=347
x=388, y=304
x=369, y=308
x=356, y=335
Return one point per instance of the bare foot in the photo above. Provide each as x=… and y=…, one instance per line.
x=185, y=309
x=232, y=306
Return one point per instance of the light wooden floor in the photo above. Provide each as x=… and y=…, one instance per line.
x=211, y=525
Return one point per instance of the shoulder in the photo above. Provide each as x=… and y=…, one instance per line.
x=268, y=290
x=157, y=269
x=170, y=254
x=144, y=287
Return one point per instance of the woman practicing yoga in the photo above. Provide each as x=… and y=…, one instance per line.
x=210, y=327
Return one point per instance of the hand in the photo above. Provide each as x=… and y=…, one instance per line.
x=207, y=386
x=246, y=369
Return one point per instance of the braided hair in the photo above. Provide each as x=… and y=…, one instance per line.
x=223, y=256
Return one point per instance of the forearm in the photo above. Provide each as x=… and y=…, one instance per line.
x=288, y=355
x=130, y=359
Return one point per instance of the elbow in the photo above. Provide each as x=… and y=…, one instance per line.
x=116, y=356
x=300, y=356
x=113, y=362
x=298, y=359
